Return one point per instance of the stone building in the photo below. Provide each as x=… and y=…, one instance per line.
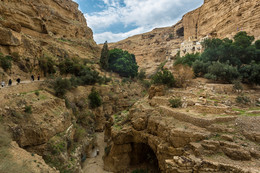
x=192, y=45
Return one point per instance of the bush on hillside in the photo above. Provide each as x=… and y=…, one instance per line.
x=164, y=77
x=175, y=103
x=188, y=59
x=94, y=98
x=141, y=75
x=200, y=68
x=61, y=86
x=47, y=65
x=6, y=62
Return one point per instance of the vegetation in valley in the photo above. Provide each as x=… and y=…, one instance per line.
x=164, y=77
x=227, y=60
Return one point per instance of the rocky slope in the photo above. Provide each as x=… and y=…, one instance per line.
x=44, y=28
x=153, y=48
x=215, y=18
x=209, y=133
x=223, y=19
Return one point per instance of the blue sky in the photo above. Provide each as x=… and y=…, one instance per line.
x=115, y=20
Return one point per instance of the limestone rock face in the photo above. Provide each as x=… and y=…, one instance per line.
x=153, y=48
x=46, y=23
x=216, y=18
x=223, y=19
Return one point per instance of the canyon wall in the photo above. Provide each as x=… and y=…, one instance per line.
x=215, y=18
x=223, y=19
x=33, y=28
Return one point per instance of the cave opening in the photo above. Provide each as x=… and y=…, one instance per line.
x=180, y=32
x=143, y=159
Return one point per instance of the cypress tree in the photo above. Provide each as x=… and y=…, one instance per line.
x=104, y=56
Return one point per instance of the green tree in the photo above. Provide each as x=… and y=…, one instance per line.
x=188, y=59
x=243, y=40
x=257, y=44
x=221, y=71
x=104, y=56
x=122, y=63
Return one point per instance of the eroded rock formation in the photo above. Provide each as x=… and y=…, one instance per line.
x=180, y=140
x=55, y=27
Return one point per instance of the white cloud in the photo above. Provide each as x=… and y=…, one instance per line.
x=113, y=37
x=144, y=14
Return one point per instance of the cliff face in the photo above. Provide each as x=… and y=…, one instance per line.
x=34, y=27
x=217, y=18
x=153, y=48
x=223, y=19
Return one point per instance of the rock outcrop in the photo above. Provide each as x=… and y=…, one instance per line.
x=33, y=28
x=223, y=19
x=186, y=139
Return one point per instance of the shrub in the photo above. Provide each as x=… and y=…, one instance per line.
x=188, y=59
x=47, y=65
x=146, y=84
x=175, y=103
x=88, y=77
x=28, y=109
x=79, y=134
x=140, y=171
x=61, y=86
x=141, y=75
x=200, y=68
x=122, y=63
x=37, y=93
x=67, y=103
x=6, y=62
x=243, y=99
x=94, y=98
x=237, y=86
x=183, y=75
x=165, y=77
x=257, y=44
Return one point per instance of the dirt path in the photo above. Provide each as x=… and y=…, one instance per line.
x=96, y=164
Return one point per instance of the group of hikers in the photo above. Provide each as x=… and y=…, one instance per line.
x=18, y=80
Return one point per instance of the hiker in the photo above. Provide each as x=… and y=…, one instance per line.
x=32, y=77
x=10, y=82
x=38, y=77
x=18, y=81
x=3, y=83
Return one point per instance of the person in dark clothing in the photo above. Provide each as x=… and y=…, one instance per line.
x=10, y=82
x=38, y=77
x=18, y=80
x=32, y=77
